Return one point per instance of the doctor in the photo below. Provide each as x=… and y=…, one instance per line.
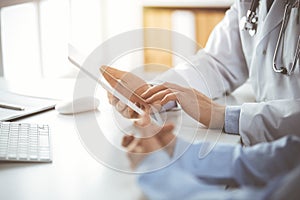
x=262, y=46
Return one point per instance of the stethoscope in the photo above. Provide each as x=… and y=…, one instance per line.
x=249, y=23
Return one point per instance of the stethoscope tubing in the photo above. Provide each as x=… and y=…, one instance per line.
x=251, y=26
x=284, y=69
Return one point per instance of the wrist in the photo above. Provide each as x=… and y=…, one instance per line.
x=211, y=114
x=217, y=119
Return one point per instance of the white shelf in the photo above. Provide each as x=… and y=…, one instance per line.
x=188, y=3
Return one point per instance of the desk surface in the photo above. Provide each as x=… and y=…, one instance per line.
x=74, y=173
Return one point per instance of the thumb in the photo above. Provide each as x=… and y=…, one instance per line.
x=143, y=121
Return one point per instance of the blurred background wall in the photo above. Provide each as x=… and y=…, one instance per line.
x=35, y=33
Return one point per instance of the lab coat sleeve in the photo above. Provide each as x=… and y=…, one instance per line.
x=244, y=166
x=267, y=121
x=220, y=67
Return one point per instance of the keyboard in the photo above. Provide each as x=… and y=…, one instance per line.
x=25, y=142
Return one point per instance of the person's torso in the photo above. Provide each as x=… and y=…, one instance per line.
x=259, y=51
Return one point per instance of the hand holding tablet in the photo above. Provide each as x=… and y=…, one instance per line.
x=127, y=87
x=119, y=87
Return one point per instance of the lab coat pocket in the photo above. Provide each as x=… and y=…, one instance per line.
x=291, y=41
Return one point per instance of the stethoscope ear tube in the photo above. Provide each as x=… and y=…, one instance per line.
x=282, y=69
x=297, y=55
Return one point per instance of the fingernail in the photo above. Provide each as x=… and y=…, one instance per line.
x=143, y=95
x=119, y=107
x=102, y=68
x=140, y=121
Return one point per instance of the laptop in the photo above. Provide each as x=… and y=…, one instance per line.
x=14, y=106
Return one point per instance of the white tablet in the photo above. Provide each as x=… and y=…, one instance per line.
x=76, y=58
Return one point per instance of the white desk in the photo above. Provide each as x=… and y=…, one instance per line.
x=74, y=174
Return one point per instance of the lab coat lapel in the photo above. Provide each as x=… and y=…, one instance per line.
x=273, y=18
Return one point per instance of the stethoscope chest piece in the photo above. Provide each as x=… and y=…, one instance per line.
x=249, y=22
x=251, y=27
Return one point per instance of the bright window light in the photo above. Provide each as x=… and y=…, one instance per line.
x=54, y=20
x=20, y=41
x=35, y=35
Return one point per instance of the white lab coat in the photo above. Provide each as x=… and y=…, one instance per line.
x=231, y=56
